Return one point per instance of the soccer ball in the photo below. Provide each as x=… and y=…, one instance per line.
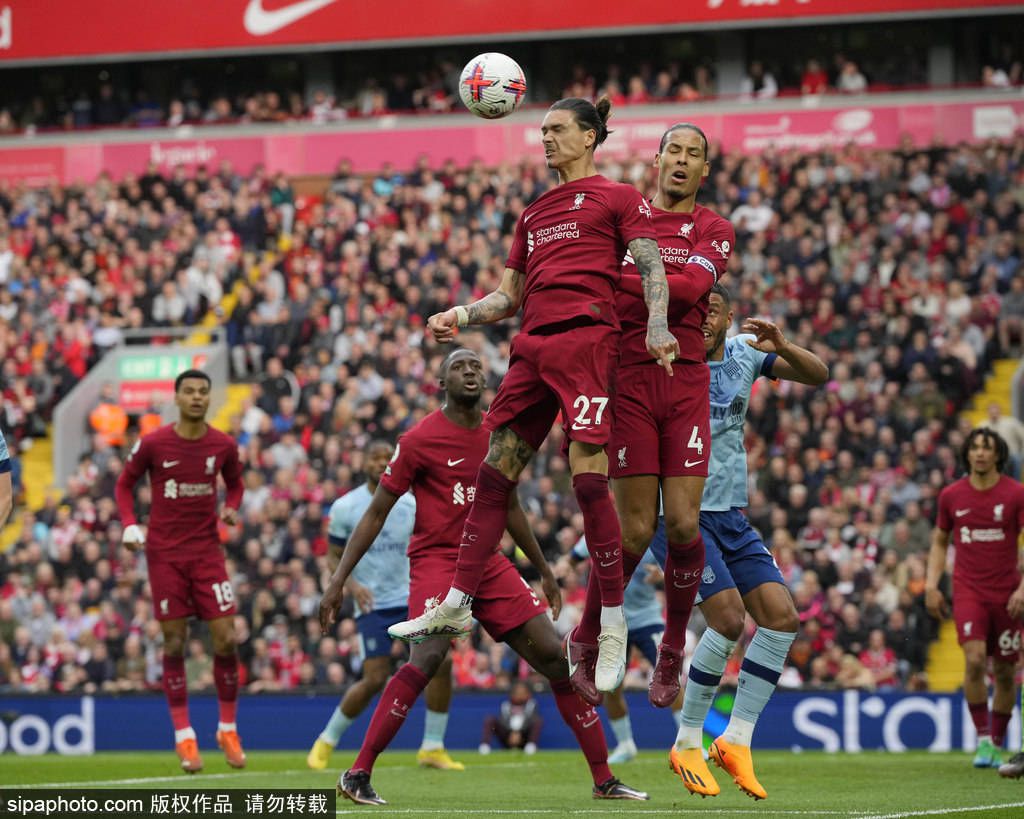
x=492, y=85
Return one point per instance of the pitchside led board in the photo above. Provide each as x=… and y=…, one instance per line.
x=147, y=379
x=832, y=721
x=69, y=30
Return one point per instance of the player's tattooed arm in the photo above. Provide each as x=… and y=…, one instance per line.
x=661, y=344
x=508, y=453
x=502, y=303
x=652, y=275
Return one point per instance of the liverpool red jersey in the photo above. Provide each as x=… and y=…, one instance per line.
x=984, y=527
x=183, y=479
x=685, y=239
x=438, y=460
x=569, y=243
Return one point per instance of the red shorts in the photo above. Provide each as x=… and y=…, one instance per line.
x=503, y=601
x=196, y=585
x=661, y=425
x=988, y=620
x=568, y=372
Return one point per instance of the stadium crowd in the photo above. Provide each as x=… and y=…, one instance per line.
x=104, y=102
x=902, y=270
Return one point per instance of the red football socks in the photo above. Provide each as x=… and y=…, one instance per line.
x=481, y=535
x=389, y=716
x=225, y=678
x=604, y=536
x=1000, y=720
x=629, y=563
x=683, y=568
x=590, y=620
x=585, y=723
x=176, y=692
x=979, y=716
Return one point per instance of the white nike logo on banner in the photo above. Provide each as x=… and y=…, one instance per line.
x=259, y=21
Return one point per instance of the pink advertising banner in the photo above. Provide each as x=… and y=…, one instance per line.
x=402, y=142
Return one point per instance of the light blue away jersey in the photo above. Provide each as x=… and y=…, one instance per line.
x=731, y=380
x=5, y=455
x=640, y=604
x=384, y=569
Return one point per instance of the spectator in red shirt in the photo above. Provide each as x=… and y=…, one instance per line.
x=880, y=660
x=814, y=80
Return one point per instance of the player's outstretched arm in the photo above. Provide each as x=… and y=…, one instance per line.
x=362, y=538
x=661, y=344
x=522, y=534
x=934, y=600
x=794, y=363
x=495, y=306
x=6, y=496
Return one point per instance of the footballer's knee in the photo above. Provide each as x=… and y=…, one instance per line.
x=727, y=622
x=375, y=679
x=1003, y=674
x=637, y=532
x=682, y=528
x=428, y=655
x=174, y=634
x=974, y=668
x=786, y=620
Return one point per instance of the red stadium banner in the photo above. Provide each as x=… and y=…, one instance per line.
x=68, y=29
x=404, y=141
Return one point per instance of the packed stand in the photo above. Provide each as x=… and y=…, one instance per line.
x=901, y=270
x=251, y=92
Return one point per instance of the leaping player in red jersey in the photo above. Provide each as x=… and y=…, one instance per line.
x=563, y=269
x=186, y=564
x=983, y=514
x=661, y=435
x=437, y=460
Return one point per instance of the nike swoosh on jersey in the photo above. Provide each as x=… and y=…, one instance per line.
x=259, y=21
x=454, y=463
x=691, y=464
x=169, y=464
x=961, y=512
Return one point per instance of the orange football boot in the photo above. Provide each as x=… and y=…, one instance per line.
x=737, y=762
x=690, y=766
x=188, y=753
x=230, y=743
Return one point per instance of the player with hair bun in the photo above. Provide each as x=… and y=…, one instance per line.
x=563, y=270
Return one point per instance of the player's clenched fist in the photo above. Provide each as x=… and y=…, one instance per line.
x=444, y=325
x=662, y=345
x=133, y=537
x=935, y=602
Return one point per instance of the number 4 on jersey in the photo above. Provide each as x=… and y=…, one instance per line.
x=696, y=442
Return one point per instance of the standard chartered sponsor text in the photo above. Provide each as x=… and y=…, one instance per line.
x=565, y=230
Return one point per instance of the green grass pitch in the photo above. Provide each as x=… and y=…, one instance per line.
x=870, y=785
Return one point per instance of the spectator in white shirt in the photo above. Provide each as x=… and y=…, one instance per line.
x=758, y=84
x=753, y=217
x=851, y=81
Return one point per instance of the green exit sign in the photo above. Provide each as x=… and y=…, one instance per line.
x=159, y=367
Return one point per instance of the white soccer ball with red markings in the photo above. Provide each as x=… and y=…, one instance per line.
x=492, y=85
